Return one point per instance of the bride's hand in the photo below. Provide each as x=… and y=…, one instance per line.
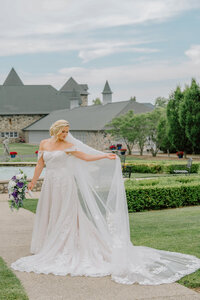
x=31, y=185
x=111, y=155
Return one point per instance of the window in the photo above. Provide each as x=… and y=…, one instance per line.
x=10, y=134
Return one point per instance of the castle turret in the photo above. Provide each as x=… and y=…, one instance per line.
x=107, y=93
x=13, y=79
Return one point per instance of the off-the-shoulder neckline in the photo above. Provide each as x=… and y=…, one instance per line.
x=56, y=150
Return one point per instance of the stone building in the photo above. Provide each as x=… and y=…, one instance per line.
x=86, y=122
x=22, y=105
x=27, y=111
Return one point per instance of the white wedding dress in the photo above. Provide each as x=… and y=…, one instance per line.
x=81, y=226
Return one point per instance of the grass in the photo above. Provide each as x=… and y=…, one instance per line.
x=164, y=181
x=10, y=286
x=22, y=149
x=172, y=230
x=30, y=204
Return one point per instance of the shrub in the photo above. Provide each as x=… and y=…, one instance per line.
x=170, y=168
x=145, y=168
x=155, y=168
x=158, y=196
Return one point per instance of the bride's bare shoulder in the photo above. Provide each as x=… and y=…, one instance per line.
x=43, y=143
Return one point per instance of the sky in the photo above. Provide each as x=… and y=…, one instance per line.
x=144, y=48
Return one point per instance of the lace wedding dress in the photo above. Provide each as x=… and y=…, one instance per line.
x=81, y=226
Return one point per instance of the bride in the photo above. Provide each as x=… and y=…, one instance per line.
x=81, y=224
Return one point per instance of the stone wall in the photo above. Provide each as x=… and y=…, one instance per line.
x=16, y=123
x=84, y=99
x=4, y=186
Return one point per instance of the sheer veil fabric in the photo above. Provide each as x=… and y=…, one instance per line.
x=93, y=194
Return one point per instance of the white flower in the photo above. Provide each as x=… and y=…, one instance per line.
x=20, y=190
x=20, y=176
x=11, y=197
x=11, y=183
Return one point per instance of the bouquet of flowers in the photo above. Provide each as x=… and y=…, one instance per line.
x=17, y=187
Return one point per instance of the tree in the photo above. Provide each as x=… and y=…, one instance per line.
x=163, y=139
x=123, y=127
x=153, y=119
x=141, y=129
x=161, y=102
x=189, y=115
x=133, y=99
x=96, y=101
x=176, y=131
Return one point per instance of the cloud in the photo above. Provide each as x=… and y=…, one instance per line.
x=36, y=26
x=104, y=49
x=194, y=53
x=146, y=81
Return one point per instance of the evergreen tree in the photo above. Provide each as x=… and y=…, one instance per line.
x=163, y=139
x=176, y=131
x=189, y=115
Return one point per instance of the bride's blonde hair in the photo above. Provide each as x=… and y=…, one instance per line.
x=57, y=127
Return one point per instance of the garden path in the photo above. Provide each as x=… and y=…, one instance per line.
x=15, y=238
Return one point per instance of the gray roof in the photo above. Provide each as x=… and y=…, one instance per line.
x=107, y=89
x=71, y=85
x=31, y=99
x=17, y=98
x=89, y=118
x=13, y=79
x=149, y=105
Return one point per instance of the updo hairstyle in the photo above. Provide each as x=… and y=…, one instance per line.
x=57, y=127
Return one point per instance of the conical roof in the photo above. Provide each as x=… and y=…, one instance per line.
x=107, y=89
x=70, y=85
x=13, y=79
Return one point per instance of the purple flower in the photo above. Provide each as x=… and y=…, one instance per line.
x=14, y=178
x=20, y=184
x=14, y=194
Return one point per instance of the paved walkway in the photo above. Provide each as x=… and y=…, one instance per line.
x=15, y=238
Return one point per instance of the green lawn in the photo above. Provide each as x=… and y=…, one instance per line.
x=22, y=150
x=163, y=180
x=171, y=229
x=10, y=286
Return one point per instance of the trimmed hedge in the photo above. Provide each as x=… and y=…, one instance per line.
x=158, y=197
x=145, y=168
x=155, y=168
x=171, y=168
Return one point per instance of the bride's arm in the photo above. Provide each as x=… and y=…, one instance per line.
x=38, y=170
x=89, y=157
